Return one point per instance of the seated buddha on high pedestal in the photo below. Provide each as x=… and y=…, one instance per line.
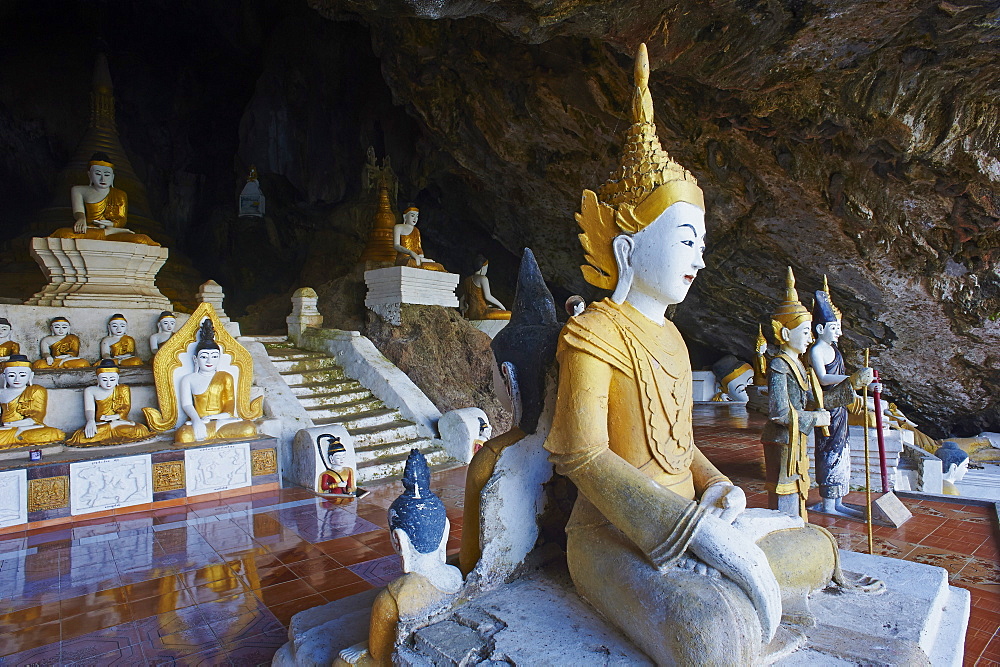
x=100, y=210
x=478, y=302
x=659, y=539
x=61, y=349
x=409, y=248
x=118, y=346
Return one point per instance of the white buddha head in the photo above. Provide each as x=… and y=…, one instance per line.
x=791, y=323
x=101, y=172
x=954, y=461
x=484, y=267
x=411, y=215
x=733, y=376
x=166, y=322
x=418, y=522
x=17, y=373
x=107, y=374
x=207, y=354
x=59, y=326
x=334, y=450
x=575, y=305
x=117, y=325
x=5, y=328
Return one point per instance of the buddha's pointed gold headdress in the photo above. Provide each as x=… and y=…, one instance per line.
x=790, y=313
x=646, y=184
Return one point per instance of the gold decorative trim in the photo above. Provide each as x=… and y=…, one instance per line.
x=48, y=493
x=264, y=461
x=168, y=360
x=168, y=476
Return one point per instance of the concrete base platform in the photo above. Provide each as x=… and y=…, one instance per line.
x=388, y=288
x=539, y=620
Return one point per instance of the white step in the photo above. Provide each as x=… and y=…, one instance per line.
x=392, y=466
x=380, y=417
x=318, y=399
x=372, y=452
x=267, y=340
x=302, y=364
x=289, y=354
x=345, y=410
x=314, y=377
x=385, y=433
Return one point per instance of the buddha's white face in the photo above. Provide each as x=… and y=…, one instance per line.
x=59, y=328
x=798, y=339
x=4, y=331
x=107, y=380
x=669, y=253
x=102, y=177
x=410, y=217
x=338, y=459
x=737, y=387
x=117, y=327
x=17, y=377
x=207, y=360
x=829, y=333
x=167, y=324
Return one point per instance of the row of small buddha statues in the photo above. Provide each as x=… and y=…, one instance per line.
x=61, y=348
x=207, y=396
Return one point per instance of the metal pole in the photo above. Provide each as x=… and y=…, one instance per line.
x=868, y=469
x=883, y=468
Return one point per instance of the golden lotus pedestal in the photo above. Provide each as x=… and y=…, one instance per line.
x=100, y=274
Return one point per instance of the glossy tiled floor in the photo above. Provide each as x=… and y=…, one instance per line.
x=216, y=582
x=962, y=538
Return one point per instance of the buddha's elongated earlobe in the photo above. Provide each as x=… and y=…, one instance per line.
x=623, y=245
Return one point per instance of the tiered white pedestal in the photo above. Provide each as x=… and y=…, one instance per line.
x=102, y=274
x=396, y=285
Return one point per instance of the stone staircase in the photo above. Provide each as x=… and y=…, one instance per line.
x=382, y=437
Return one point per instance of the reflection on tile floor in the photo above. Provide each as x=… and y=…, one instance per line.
x=963, y=539
x=216, y=582
x=211, y=583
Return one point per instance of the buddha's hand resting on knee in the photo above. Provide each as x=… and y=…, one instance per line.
x=723, y=547
x=724, y=500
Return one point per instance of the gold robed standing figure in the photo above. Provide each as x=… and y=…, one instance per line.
x=658, y=540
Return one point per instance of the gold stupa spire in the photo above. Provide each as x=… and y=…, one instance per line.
x=379, y=247
x=646, y=183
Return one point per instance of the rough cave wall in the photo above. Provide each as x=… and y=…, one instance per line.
x=852, y=139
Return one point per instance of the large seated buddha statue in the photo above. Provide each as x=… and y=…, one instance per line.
x=60, y=349
x=100, y=210
x=22, y=408
x=203, y=379
x=406, y=241
x=659, y=540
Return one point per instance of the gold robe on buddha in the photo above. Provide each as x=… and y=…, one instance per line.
x=124, y=348
x=622, y=432
x=113, y=208
x=30, y=404
x=8, y=348
x=412, y=242
x=219, y=396
x=118, y=403
x=478, y=307
x=68, y=344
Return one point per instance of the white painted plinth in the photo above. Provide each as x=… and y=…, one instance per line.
x=107, y=484
x=13, y=497
x=894, y=441
x=102, y=274
x=388, y=288
x=213, y=469
x=704, y=385
x=490, y=327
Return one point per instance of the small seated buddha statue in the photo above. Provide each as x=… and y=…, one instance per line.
x=61, y=349
x=22, y=407
x=338, y=478
x=419, y=527
x=406, y=241
x=118, y=346
x=165, y=325
x=106, y=407
x=7, y=345
x=100, y=210
x=798, y=404
x=478, y=302
x=575, y=305
x=208, y=396
x=659, y=540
